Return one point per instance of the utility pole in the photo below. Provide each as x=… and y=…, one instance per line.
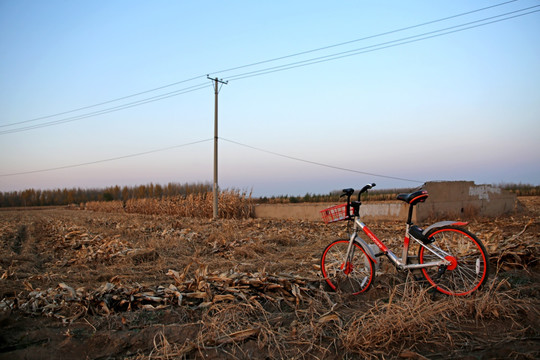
x=217, y=86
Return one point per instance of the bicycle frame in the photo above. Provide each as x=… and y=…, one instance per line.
x=401, y=263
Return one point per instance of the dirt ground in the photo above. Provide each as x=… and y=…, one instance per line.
x=78, y=284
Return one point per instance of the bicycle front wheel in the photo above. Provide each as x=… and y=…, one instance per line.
x=469, y=262
x=351, y=275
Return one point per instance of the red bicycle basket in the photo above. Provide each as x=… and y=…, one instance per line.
x=335, y=213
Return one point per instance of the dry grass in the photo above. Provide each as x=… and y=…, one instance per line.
x=402, y=327
x=418, y=321
x=233, y=204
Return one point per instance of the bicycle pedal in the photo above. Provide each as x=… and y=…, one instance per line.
x=441, y=271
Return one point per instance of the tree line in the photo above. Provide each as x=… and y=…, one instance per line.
x=519, y=189
x=333, y=196
x=58, y=197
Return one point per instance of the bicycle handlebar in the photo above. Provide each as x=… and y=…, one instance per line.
x=365, y=188
x=348, y=192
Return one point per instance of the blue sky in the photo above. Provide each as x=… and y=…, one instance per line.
x=459, y=106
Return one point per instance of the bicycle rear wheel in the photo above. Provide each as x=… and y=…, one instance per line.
x=469, y=262
x=353, y=275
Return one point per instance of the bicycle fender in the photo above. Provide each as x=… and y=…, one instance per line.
x=368, y=250
x=442, y=224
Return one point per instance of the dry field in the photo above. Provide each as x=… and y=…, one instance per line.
x=79, y=284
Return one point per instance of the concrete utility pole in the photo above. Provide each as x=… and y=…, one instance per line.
x=217, y=86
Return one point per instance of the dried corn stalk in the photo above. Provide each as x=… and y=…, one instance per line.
x=233, y=204
x=200, y=289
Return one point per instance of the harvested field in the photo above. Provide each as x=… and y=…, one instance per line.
x=80, y=284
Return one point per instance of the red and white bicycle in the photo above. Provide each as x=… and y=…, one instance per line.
x=452, y=259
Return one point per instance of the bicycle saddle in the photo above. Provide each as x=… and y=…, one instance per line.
x=414, y=197
x=348, y=191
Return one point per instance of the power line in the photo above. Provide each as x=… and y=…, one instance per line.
x=109, y=110
x=101, y=103
x=107, y=160
x=385, y=45
x=202, y=141
x=321, y=164
x=307, y=62
x=363, y=38
x=237, y=77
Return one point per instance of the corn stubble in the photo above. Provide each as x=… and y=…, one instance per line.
x=250, y=288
